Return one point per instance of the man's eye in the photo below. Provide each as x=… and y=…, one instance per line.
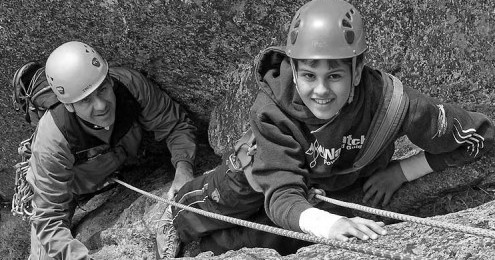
x=85, y=100
x=102, y=88
x=334, y=76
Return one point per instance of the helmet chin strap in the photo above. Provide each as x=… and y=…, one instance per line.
x=353, y=69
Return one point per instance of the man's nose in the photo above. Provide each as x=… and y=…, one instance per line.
x=99, y=103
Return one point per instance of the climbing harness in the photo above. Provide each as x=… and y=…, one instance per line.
x=23, y=193
x=279, y=231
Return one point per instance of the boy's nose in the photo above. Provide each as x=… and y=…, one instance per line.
x=322, y=88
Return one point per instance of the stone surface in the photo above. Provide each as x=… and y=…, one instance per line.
x=201, y=53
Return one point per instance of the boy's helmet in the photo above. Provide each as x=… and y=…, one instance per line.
x=74, y=70
x=326, y=29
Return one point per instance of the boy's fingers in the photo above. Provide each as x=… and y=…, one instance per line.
x=342, y=238
x=386, y=199
x=368, y=195
x=377, y=199
x=368, y=184
x=376, y=227
x=356, y=232
x=368, y=230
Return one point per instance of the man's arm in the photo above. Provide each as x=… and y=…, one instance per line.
x=50, y=178
x=165, y=117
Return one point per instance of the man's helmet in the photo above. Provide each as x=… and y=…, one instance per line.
x=326, y=29
x=74, y=70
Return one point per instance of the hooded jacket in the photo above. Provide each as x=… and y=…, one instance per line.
x=293, y=156
x=66, y=160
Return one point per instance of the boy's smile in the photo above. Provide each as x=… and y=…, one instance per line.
x=324, y=86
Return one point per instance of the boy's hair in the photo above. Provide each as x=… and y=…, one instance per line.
x=331, y=63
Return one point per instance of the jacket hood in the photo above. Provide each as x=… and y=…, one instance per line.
x=273, y=74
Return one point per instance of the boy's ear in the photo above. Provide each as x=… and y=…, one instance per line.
x=357, y=73
x=69, y=107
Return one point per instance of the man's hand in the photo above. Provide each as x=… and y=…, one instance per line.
x=383, y=184
x=326, y=225
x=183, y=174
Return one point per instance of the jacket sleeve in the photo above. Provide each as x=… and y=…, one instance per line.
x=162, y=115
x=450, y=135
x=50, y=177
x=279, y=170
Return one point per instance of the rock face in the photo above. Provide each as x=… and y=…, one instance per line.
x=201, y=53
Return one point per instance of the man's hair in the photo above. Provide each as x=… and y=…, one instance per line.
x=332, y=63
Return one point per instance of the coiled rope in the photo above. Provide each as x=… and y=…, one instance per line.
x=279, y=231
x=21, y=200
x=403, y=217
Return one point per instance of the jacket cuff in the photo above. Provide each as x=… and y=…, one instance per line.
x=295, y=213
x=436, y=163
x=415, y=166
x=177, y=159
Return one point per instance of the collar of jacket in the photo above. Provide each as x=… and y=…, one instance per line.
x=127, y=112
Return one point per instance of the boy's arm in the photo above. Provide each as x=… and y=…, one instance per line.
x=450, y=135
x=279, y=168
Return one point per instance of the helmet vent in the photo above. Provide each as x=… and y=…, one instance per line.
x=295, y=31
x=346, y=23
x=293, y=36
x=349, y=37
x=297, y=23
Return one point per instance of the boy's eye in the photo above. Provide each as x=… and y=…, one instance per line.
x=308, y=76
x=334, y=76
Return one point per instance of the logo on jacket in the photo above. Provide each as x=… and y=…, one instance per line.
x=95, y=62
x=468, y=137
x=352, y=143
x=60, y=90
x=330, y=155
x=441, y=122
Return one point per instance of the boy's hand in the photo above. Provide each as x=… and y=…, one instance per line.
x=383, y=184
x=323, y=224
x=357, y=227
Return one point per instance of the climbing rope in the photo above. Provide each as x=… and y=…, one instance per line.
x=403, y=217
x=23, y=193
x=279, y=231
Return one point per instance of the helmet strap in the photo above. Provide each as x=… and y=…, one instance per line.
x=294, y=73
x=353, y=70
x=69, y=107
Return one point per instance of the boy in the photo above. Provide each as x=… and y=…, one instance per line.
x=310, y=120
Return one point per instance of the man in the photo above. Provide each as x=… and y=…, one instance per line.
x=89, y=135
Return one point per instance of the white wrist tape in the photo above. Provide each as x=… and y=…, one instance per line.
x=317, y=222
x=415, y=166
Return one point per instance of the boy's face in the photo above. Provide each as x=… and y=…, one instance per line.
x=324, y=86
x=99, y=107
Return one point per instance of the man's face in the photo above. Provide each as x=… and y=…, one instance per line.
x=99, y=107
x=324, y=89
